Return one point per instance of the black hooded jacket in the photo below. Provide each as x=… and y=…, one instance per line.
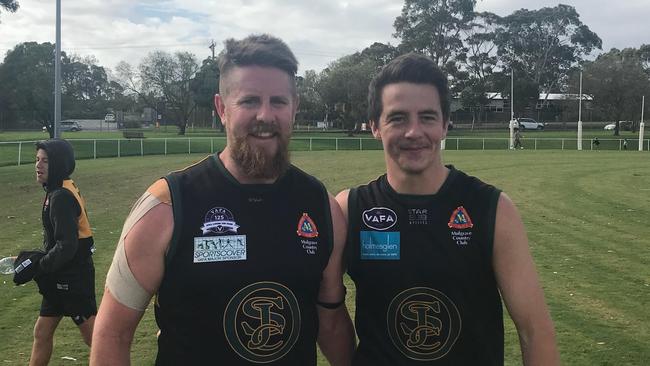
x=67, y=238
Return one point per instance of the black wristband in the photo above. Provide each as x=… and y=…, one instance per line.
x=333, y=305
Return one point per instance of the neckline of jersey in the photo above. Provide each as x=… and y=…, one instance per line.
x=250, y=187
x=419, y=199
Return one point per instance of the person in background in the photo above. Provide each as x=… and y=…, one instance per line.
x=64, y=270
x=518, y=137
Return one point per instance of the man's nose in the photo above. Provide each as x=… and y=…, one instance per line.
x=265, y=113
x=413, y=129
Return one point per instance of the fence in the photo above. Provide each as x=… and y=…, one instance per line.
x=22, y=152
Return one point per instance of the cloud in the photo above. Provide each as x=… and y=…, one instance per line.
x=318, y=31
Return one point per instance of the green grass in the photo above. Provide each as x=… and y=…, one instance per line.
x=586, y=214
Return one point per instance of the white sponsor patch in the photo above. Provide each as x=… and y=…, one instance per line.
x=23, y=265
x=220, y=248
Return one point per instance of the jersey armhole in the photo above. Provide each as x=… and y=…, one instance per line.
x=177, y=209
x=493, y=203
x=329, y=223
x=352, y=224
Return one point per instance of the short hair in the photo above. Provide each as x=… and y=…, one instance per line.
x=256, y=50
x=410, y=68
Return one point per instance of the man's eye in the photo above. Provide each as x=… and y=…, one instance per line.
x=279, y=101
x=248, y=102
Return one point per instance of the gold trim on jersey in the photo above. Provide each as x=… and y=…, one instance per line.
x=83, y=225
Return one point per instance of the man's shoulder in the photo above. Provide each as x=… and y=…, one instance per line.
x=61, y=193
x=302, y=175
x=207, y=163
x=62, y=199
x=469, y=184
x=382, y=179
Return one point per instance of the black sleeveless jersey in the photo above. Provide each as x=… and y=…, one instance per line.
x=422, y=266
x=242, y=279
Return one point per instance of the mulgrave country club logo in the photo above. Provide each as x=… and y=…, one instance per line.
x=307, y=227
x=219, y=220
x=379, y=218
x=460, y=219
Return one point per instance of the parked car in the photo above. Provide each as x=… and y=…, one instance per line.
x=623, y=125
x=528, y=124
x=72, y=126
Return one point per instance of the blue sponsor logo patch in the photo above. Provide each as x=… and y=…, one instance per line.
x=377, y=245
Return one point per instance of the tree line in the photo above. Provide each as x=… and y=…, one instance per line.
x=546, y=49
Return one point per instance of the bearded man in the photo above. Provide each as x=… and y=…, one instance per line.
x=242, y=250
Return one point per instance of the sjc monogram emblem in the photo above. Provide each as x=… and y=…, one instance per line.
x=423, y=323
x=262, y=322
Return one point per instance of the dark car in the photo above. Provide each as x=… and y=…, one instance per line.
x=72, y=126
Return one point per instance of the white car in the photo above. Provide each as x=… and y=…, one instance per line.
x=623, y=125
x=528, y=124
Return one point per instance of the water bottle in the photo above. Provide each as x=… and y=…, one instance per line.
x=7, y=265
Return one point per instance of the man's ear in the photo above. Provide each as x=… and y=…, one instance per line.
x=374, y=127
x=445, y=130
x=220, y=106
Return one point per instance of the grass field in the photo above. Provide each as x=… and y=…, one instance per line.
x=587, y=215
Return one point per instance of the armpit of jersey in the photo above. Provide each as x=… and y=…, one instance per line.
x=120, y=279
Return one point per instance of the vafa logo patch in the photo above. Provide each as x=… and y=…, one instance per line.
x=379, y=218
x=219, y=220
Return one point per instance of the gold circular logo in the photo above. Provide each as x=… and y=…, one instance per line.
x=262, y=322
x=423, y=323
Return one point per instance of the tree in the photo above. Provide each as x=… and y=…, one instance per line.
x=312, y=105
x=343, y=86
x=86, y=90
x=205, y=85
x=433, y=28
x=543, y=45
x=9, y=5
x=479, y=64
x=380, y=53
x=27, y=83
x=344, y=89
x=27, y=86
x=163, y=82
x=617, y=80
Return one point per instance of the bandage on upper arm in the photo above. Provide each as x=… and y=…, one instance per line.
x=120, y=280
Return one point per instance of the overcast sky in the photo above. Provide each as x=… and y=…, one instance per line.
x=318, y=31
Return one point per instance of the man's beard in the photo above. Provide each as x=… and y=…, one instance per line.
x=254, y=161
